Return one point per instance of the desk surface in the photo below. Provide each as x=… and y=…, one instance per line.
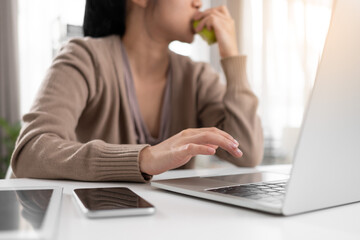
x=183, y=217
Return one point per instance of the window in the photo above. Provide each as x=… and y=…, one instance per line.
x=284, y=41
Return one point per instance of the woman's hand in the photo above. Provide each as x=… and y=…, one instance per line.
x=180, y=148
x=223, y=25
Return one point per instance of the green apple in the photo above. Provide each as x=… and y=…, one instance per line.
x=205, y=33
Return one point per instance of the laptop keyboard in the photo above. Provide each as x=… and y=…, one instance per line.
x=272, y=192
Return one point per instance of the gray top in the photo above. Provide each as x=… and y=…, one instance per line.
x=143, y=134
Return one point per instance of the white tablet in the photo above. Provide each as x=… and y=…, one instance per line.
x=29, y=213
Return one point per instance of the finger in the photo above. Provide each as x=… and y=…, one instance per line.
x=193, y=131
x=199, y=15
x=220, y=9
x=211, y=22
x=189, y=150
x=212, y=146
x=216, y=12
x=221, y=15
x=214, y=139
x=203, y=22
x=223, y=9
x=221, y=132
x=202, y=15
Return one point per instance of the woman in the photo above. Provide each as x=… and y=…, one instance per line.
x=119, y=106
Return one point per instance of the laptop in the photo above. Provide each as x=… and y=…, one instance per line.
x=326, y=163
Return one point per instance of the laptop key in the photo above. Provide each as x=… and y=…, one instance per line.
x=268, y=192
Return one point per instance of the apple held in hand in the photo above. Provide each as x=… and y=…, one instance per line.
x=205, y=33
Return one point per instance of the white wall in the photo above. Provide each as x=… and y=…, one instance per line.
x=39, y=32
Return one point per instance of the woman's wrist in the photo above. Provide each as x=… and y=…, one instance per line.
x=231, y=52
x=144, y=161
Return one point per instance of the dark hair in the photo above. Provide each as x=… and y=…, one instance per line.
x=104, y=17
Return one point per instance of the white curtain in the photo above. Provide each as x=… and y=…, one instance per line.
x=283, y=40
x=9, y=100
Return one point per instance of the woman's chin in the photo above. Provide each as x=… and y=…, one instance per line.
x=189, y=39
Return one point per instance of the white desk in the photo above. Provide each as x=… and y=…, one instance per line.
x=183, y=217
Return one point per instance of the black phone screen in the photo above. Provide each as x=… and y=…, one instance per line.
x=110, y=198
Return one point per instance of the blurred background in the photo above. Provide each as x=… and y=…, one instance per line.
x=283, y=40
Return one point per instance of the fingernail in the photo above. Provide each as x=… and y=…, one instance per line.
x=236, y=142
x=233, y=145
x=238, y=152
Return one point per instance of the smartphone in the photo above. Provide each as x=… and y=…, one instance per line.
x=111, y=202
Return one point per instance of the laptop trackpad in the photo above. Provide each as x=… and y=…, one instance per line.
x=245, y=178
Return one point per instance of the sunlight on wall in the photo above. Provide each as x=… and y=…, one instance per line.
x=284, y=45
x=39, y=33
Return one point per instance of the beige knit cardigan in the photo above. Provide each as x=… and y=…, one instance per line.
x=80, y=125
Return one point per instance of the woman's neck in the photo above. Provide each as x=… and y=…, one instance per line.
x=149, y=58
